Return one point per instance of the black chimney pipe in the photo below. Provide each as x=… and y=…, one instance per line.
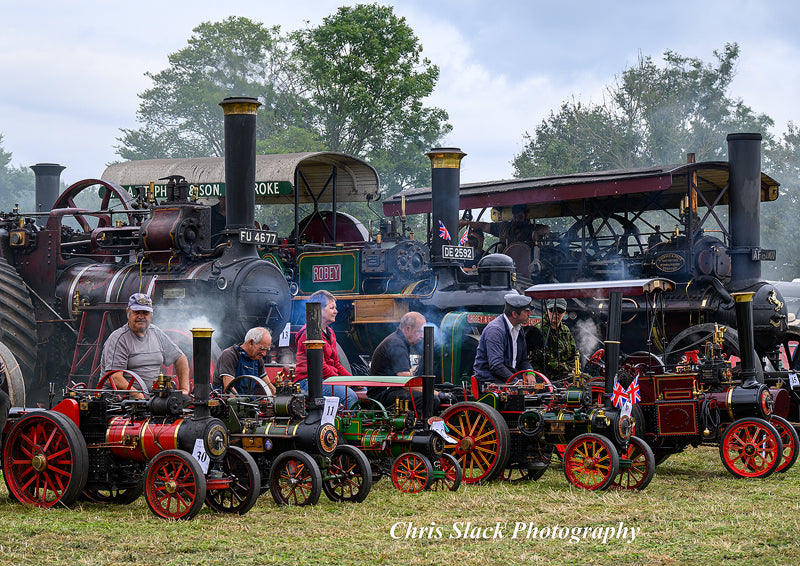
x=427, y=374
x=744, y=190
x=744, y=326
x=314, y=344
x=240, y=170
x=201, y=360
x=48, y=187
x=445, y=187
x=612, y=342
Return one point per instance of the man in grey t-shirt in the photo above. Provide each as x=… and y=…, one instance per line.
x=142, y=348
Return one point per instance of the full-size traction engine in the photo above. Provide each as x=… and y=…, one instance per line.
x=66, y=273
x=110, y=448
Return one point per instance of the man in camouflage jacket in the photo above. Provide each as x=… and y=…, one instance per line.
x=551, y=347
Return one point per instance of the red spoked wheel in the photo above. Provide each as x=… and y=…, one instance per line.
x=637, y=466
x=45, y=460
x=482, y=440
x=175, y=486
x=134, y=383
x=349, y=477
x=790, y=441
x=295, y=479
x=447, y=474
x=751, y=448
x=244, y=487
x=412, y=472
x=591, y=461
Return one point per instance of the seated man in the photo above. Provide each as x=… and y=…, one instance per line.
x=246, y=358
x=475, y=241
x=550, y=343
x=142, y=347
x=393, y=357
x=501, y=348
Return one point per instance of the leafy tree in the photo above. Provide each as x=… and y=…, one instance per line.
x=180, y=115
x=365, y=81
x=17, y=184
x=653, y=115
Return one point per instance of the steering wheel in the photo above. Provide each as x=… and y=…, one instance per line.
x=540, y=378
x=248, y=386
x=67, y=200
x=135, y=383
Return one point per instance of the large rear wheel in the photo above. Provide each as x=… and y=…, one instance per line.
x=45, y=460
x=18, y=330
x=482, y=440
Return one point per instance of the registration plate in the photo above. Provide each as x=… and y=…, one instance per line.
x=262, y=237
x=466, y=253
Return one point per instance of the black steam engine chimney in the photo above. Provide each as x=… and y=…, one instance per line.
x=240, y=172
x=744, y=161
x=445, y=186
x=48, y=186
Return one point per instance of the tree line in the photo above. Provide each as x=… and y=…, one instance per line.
x=357, y=82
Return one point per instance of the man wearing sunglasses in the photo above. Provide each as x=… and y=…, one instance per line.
x=551, y=347
x=246, y=358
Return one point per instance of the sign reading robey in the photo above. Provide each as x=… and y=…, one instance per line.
x=466, y=253
x=326, y=273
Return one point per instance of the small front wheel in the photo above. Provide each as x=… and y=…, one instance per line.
x=349, y=477
x=175, y=486
x=591, y=461
x=637, y=466
x=295, y=479
x=751, y=448
x=447, y=474
x=412, y=472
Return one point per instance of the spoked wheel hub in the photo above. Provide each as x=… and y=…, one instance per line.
x=39, y=461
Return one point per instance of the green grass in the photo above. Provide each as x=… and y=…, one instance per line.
x=693, y=512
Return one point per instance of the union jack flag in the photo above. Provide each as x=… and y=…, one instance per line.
x=463, y=239
x=633, y=391
x=443, y=233
x=619, y=396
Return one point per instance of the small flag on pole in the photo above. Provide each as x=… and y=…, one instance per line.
x=619, y=396
x=463, y=239
x=443, y=233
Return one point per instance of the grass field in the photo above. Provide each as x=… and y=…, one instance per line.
x=693, y=512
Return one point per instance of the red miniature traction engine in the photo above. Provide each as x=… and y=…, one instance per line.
x=103, y=445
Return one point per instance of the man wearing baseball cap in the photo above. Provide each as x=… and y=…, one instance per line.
x=551, y=347
x=142, y=347
x=501, y=348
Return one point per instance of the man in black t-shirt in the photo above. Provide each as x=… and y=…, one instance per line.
x=393, y=357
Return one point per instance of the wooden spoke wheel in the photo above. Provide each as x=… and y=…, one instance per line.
x=591, y=461
x=447, y=474
x=751, y=448
x=134, y=383
x=412, y=472
x=789, y=439
x=637, y=466
x=349, y=477
x=175, y=486
x=248, y=386
x=239, y=468
x=45, y=460
x=295, y=479
x=482, y=440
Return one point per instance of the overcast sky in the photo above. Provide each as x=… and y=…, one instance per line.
x=70, y=71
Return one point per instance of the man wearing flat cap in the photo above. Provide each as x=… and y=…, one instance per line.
x=142, y=347
x=501, y=348
x=550, y=344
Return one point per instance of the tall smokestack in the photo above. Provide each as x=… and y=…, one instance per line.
x=744, y=326
x=744, y=190
x=314, y=354
x=612, y=342
x=240, y=168
x=445, y=187
x=201, y=360
x=427, y=374
x=48, y=187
